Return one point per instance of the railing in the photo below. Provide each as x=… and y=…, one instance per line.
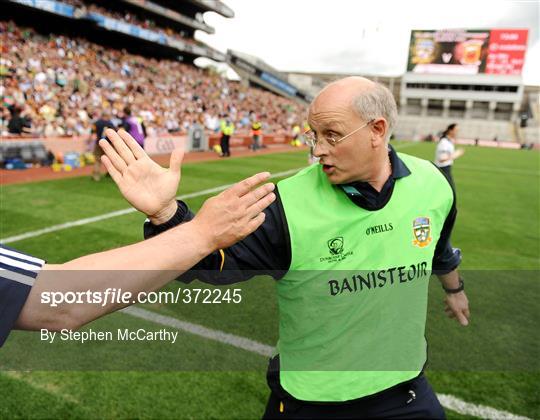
x=164, y=144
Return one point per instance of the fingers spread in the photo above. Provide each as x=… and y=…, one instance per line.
x=260, y=205
x=243, y=187
x=135, y=147
x=120, y=146
x=252, y=197
x=114, y=157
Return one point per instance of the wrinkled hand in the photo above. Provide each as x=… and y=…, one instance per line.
x=236, y=212
x=457, y=306
x=146, y=185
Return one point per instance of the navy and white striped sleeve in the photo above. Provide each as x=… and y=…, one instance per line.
x=18, y=272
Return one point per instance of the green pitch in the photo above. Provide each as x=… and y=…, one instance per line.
x=493, y=362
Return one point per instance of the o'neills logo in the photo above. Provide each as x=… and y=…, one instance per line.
x=379, y=228
x=336, y=250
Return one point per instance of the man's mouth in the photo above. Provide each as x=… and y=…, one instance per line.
x=328, y=169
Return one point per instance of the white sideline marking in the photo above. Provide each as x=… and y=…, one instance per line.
x=55, y=228
x=448, y=401
x=482, y=411
x=216, y=335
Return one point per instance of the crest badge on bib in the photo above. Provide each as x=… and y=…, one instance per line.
x=422, y=231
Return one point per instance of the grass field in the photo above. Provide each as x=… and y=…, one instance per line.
x=493, y=362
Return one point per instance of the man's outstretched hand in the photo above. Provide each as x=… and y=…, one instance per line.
x=151, y=189
x=235, y=213
x=146, y=185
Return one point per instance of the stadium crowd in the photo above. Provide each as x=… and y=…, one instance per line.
x=56, y=85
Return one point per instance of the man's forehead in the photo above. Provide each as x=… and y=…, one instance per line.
x=327, y=120
x=329, y=112
x=332, y=98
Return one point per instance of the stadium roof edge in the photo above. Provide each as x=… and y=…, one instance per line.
x=255, y=60
x=171, y=15
x=260, y=73
x=214, y=6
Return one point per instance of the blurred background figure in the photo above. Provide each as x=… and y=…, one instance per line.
x=446, y=152
x=18, y=123
x=256, y=134
x=227, y=130
x=100, y=125
x=134, y=126
x=296, y=130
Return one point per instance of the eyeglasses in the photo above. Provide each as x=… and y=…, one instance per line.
x=312, y=140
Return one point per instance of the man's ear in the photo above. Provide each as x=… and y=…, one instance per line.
x=379, y=128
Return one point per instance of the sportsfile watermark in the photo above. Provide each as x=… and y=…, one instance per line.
x=387, y=319
x=112, y=295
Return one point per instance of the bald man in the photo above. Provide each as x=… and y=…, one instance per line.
x=351, y=243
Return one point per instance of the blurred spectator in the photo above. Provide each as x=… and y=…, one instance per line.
x=134, y=126
x=101, y=124
x=17, y=123
x=53, y=129
x=296, y=130
x=256, y=134
x=227, y=130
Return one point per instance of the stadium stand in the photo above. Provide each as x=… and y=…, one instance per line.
x=64, y=62
x=61, y=95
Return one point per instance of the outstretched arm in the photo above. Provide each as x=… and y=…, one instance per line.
x=265, y=251
x=148, y=265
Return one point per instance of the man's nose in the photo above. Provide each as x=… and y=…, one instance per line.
x=320, y=149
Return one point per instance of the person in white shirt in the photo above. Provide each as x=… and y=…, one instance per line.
x=446, y=152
